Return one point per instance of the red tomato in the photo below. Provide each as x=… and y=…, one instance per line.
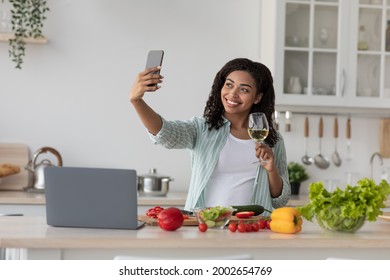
x=153, y=212
x=248, y=227
x=241, y=227
x=255, y=227
x=232, y=227
x=170, y=219
x=267, y=224
x=202, y=227
x=261, y=224
x=244, y=214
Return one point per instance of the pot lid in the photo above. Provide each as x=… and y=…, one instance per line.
x=154, y=175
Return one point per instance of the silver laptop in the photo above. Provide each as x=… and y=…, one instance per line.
x=91, y=197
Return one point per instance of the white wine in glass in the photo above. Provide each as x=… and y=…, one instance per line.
x=258, y=134
x=258, y=128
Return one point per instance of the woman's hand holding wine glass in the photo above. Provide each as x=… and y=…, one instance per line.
x=258, y=129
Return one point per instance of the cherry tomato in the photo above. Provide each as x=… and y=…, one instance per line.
x=241, y=227
x=202, y=227
x=255, y=227
x=261, y=224
x=248, y=227
x=267, y=224
x=232, y=227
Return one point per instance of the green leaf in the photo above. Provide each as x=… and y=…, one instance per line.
x=365, y=199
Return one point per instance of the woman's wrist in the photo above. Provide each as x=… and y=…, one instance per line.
x=135, y=99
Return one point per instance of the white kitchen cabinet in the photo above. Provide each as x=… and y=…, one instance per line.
x=317, y=42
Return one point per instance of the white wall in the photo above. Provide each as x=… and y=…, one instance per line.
x=72, y=94
x=364, y=142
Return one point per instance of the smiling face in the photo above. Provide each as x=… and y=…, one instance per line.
x=238, y=93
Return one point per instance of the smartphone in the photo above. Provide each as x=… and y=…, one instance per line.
x=155, y=58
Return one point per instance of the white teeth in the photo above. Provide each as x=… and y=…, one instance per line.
x=231, y=102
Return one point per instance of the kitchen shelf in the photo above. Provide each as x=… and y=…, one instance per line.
x=340, y=111
x=5, y=37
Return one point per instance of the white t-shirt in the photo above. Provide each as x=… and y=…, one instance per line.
x=233, y=178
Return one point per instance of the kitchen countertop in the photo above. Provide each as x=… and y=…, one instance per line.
x=31, y=198
x=372, y=241
x=172, y=198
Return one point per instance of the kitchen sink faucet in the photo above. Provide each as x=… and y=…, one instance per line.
x=372, y=161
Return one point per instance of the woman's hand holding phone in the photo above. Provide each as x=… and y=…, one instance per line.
x=147, y=80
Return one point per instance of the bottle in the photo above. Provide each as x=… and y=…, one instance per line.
x=388, y=36
x=362, y=42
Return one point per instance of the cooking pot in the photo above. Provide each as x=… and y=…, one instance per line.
x=153, y=184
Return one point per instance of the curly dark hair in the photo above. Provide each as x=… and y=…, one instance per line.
x=214, y=110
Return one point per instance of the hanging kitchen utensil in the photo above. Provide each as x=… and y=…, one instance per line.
x=384, y=138
x=288, y=121
x=335, y=156
x=348, y=132
x=276, y=117
x=306, y=159
x=320, y=160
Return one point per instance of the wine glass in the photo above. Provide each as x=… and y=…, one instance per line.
x=258, y=128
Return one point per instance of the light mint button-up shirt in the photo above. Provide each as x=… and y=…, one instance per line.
x=205, y=146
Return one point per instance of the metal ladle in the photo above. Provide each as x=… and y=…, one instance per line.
x=319, y=160
x=306, y=159
x=335, y=156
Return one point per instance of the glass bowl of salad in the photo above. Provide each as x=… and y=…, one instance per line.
x=214, y=217
x=346, y=209
x=341, y=224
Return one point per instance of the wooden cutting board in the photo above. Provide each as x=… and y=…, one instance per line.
x=385, y=216
x=18, y=154
x=384, y=138
x=192, y=221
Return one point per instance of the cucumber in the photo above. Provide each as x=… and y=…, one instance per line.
x=257, y=209
x=210, y=223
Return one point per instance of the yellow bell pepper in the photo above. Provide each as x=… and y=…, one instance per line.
x=286, y=220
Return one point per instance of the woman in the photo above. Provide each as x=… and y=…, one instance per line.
x=222, y=152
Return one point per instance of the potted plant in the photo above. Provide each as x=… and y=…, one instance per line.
x=27, y=17
x=296, y=174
